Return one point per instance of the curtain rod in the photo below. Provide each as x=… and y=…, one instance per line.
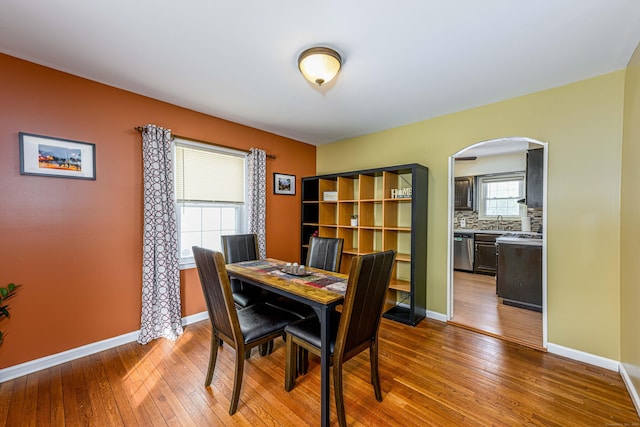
x=270, y=156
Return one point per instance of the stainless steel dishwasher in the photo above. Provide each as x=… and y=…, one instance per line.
x=463, y=251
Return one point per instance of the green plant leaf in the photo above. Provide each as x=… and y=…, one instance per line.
x=5, y=294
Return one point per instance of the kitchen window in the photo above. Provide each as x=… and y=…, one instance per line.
x=499, y=195
x=210, y=185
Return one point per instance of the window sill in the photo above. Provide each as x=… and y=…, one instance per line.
x=187, y=264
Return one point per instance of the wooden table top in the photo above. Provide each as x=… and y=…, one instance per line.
x=254, y=271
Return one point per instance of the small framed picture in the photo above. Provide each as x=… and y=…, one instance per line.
x=284, y=184
x=56, y=157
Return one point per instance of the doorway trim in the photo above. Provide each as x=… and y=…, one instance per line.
x=450, y=223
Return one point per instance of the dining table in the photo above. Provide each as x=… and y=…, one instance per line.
x=322, y=290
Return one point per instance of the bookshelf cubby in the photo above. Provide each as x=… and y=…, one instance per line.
x=390, y=206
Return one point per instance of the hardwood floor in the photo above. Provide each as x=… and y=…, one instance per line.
x=433, y=374
x=477, y=307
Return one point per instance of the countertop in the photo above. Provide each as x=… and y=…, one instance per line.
x=537, y=241
x=507, y=236
x=473, y=230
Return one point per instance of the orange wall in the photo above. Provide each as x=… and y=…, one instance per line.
x=75, y=245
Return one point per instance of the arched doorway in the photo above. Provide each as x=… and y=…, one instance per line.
x=495, y=293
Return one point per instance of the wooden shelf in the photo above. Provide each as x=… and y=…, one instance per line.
x=384, y=223
x=398, y=199
x=403, y=257
x=400, y=285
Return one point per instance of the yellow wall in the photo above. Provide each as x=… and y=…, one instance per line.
x=582, y=122
x=630, y=224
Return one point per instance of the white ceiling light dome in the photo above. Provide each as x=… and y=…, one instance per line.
x=319, y=65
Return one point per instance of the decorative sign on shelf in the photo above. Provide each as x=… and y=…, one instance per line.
x=401, y=193
x=330, y=196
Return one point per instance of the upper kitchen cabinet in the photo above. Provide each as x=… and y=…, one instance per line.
x=535, y=174
x=464, y=193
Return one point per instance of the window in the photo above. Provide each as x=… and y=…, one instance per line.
x=210, y=196
x=499, y=195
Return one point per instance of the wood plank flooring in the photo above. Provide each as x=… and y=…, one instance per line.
x=434, y=374
x=477, y=307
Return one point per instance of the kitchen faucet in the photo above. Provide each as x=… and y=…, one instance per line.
x=498, y=218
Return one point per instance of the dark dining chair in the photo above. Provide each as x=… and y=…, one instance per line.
x=354, y=330
x=325, y=253
x=241, y=329
x=238, y=248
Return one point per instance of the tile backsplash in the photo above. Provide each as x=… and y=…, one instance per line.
x=472, y=221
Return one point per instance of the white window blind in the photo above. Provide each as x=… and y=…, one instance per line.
x=206, y=175
x=210, y=191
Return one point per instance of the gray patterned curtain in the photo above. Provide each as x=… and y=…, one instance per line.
x=160, y=268
x=257, y=203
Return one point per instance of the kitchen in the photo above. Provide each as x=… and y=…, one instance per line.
x=497, y=240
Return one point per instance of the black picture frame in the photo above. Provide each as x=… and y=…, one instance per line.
x=56, y=157
x=284, y=184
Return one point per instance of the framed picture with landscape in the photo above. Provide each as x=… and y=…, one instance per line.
x=284, y=184
x=56, y=157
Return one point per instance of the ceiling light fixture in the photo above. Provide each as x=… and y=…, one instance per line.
x=319, y=65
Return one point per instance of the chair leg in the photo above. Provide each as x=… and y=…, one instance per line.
x=263, y=349
x=237, y=381
x=213, y=354
x=290, y=369
x=247, y=354
x=375, y=377
x=303, y=360
x=266, y=348
x=337, y=390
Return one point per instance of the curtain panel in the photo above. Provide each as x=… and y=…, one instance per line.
x=257, y=197
x=161, y=306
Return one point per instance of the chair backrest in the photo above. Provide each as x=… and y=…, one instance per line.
x=240, y=247
x=325, y=253
x=217, y=291
x=363, y=302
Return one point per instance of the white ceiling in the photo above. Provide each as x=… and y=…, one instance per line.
x=404, y=61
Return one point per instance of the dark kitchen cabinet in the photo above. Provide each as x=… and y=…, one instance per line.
x=519, y=280
x=535, y=174
x=485, y=261
x=464, y=193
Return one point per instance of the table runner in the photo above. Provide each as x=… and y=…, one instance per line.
x=315, y=278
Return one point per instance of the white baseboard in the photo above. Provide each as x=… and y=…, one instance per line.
x=581, y=356
x=436, y=316
x=569, y=353
x=195, y=318
x=86, y=350
x=630, y=387
x=26, y=368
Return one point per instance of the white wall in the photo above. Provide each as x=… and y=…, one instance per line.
x=511, y=162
